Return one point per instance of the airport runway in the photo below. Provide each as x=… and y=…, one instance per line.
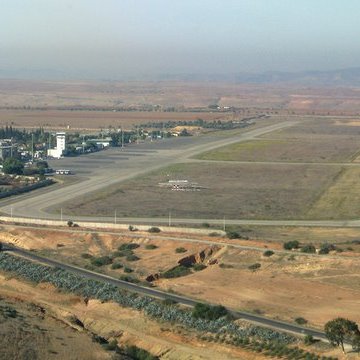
x=105, y=168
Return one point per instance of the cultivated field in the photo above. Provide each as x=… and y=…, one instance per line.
x=231, y=190
x=95, y=120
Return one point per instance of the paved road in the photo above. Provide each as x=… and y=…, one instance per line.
x=102, y=169
x=275, y=324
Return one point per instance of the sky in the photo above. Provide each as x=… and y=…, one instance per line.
x=113, y=39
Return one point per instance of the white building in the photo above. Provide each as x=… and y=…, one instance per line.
x=60, y=146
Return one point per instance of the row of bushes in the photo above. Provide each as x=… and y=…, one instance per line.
x=26, y=188
x=89, y=288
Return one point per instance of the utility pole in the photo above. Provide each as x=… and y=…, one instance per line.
x=169, y=218
x=32, y=146
x=61, y=215
x=115, y=217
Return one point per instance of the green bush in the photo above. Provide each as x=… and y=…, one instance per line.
x=268, y=253
x=180, y=250
x=154, y=229
x=139, y=354
x=308, y=339
x=129, y=279
x=301, y=321
x=132, y=257
x=233, y=234
x=86, y=256
x=177, y=271
x=209, y=312
x=128, y=246
x=116, y=266
x=101, y=261
x=294, y=244
x=226, y=266
x=309, y=249
x=326, y=248
x=128, y=270
x=150, y=247
x=254, y=267
x=199, y=267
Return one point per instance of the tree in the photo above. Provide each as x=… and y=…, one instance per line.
x=13, y=166
x=340, y=330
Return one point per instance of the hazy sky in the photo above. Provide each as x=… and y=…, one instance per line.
x=115, y=38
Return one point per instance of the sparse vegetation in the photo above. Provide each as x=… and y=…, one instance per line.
x=180, y=250
x=116, y=266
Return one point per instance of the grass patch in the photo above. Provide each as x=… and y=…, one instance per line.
x=150, y=247
x=180, y=250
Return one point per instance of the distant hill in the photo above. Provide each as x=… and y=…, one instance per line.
x=340, y=77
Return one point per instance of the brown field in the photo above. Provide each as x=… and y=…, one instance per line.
x=94, y=120
x=231, y=190
x=282, y=99
x=315, y=287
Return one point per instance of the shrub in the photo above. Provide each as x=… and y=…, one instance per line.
x=326, y=248
x=226, y=266
x=177, y=271
x=310, y=249
x=214, y=234
x=268, y=253
x=129, y=279
x=199, y=267
x=308, y=339
x=132, y=228
x=205, y=225
x=209, y=312
x=154, y=229
x=132, y=257
x=254, y=267
x=86, y=256
x=290, y=245
x=128, y=246
x=301, y=321
x=116, y=266
x=70, y=223
x=180, y=250
x=150, y=247
x=233, y=234
x=139, y=354
x=101, y=261
x=169, y=302
x=128, y=270
x=111, y=346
